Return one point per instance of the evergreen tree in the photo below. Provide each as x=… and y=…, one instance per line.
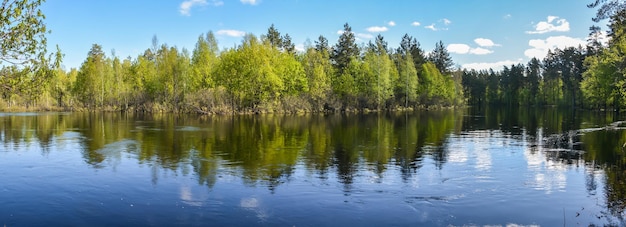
x=274, y=37
x=533, y=73
x=345, y=49
x=441, y=58
x=321, y=45
x=288, y=46
x=410, y=45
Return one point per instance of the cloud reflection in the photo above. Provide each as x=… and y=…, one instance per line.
x=549, y=175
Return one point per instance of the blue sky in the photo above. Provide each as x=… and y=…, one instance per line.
x=479, y=33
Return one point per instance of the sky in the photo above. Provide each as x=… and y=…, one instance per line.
x=479, y=34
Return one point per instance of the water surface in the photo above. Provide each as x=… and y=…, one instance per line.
x=438, y=168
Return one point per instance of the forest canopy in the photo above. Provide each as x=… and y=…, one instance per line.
x=265, y=73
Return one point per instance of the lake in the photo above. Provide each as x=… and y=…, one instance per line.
x=526, y=167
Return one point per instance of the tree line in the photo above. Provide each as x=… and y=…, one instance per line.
x=261, y=74
x=266, y=74
x=590, y=77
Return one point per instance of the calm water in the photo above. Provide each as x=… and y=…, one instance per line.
x=464, y=167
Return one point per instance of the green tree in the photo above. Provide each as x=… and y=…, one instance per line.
x=435, y=88
x=406, y=87
x=533, y=72
x=441, y=58
x=256, y=73
x=203, y=60
x=606, y=8
x=604, y=81
x=23, y=32
x=318, y=71
x=321, y=45
x=344, y=85
x=552, y=78
x=288, y=46
x=291, y=73
x=475, y=85
x=410, y=45
x=143, y=83
x=598, y=81
x=375, y=84
x=274, y=37
x=345, y=49
x=90, y=82
x=172, y=75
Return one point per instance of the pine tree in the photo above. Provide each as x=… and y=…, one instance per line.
x=288, y=46
x=321, y=45
x=273, y=36
x=441, y=58
x=345, y=49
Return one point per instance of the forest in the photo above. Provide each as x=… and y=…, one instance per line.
x=265, y=74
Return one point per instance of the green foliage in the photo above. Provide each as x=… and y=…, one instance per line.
x=89, y=87
x=23, y=32
x=475, y=85
x=409, y=45
x=434, y=87
x=604, y=81
x=441, y=58
x=377, y=84
x=203, y=60
x=321, y=45
x=288, y=46
x=598, y=82
x=407, y=83
x=273, y=36
x=345, y=50
x=257, y=73
x=318, y=71
x=345, y=85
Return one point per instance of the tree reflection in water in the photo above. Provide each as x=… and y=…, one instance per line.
x=267, y=150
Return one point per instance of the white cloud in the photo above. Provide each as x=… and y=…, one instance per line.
x=186, y=6
x=340, y=32
x=391, y=23
x=250, y=2
x=491, y=65
x=485, y=42
x=364, y=35
x=300, y=47
x=480, y=51
x=552, y=24
x=377, y=29
x=415, y=24
x=445, y=22
x=458, y=48
x=431, y=27
x=508, y=16
x=552, y=18
x=539, y=47
x=231, y=33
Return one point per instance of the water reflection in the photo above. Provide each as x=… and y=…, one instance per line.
x=409, y=150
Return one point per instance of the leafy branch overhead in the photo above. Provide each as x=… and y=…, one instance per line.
x=22, y=32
